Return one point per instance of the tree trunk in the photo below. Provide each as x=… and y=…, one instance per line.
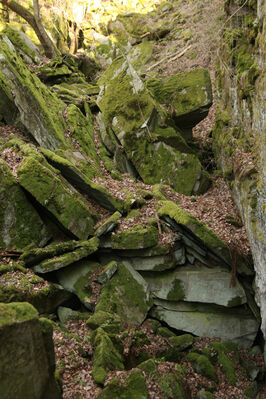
x=35, y=22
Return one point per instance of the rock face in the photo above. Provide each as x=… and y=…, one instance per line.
x=26, y=342
x=240, y=125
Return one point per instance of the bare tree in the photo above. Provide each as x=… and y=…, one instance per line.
x=34, y=21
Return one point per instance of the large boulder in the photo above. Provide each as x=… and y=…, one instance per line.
x=127, y=295
x=27, y=358
x=20, y=224
x=197, y=284
x=187, y=95
x=236, y=324
x=135, y=122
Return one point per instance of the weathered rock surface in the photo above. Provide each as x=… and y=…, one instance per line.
x=199, y=284
x=27, y=358
x=20, y=224
x=237, y=325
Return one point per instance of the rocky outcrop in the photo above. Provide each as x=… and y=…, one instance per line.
x=26, y=342
x=239, y=134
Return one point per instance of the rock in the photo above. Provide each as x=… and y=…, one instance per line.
x=134, y=120
x=106, y=357
x=137, y=237
x=99, y=318
x=200, y=233
x=182, y=342
x=76, y=279
x=26, y=354
x=40, y=111
x=228, y=356
x=85, y=249
x=199, y=284
x=19, y=285
x=20, y=224
x=23, y=45
x=237, y=325
x=127, y=295
x=67, y=314
x=133, y=387
x=69, y=209
x=108, y=225
x=202, y=365
x=76, y=93
x=189, y=94
x=152, y=263
x=108, y=272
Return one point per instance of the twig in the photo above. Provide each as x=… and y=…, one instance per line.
x=171, y=58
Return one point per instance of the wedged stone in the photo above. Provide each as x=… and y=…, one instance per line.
x=127, y=295
x=26, y=352
x=76, y=279
x=85, y=248
x=236, y=324
x=197, y=284
x=52, y=191
x=199, y=232
x=20, y=224
x=108, y=272
x=132, y=118
x=108, y=225
x=39, y=110
x=23, y=45
x=137, y=237
x=189, y=94
x=68, y=164
x=19, y=285
x=67, y=314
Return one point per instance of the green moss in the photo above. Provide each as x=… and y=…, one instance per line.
x=177, y=291
x=165, y=332
x=125, y=296
x=106, y=357
x=51, y=191
x=16, y=313
x=182, y=342
x=251, y=391
x=202, y=365
x=149, y=366
x=171, y=385
x=227, y=365
x=136, y=238
x=98, y=318
x=85, y=249
x=17, y=40
x=134, y=387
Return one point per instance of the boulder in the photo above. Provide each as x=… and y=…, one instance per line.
x=188, y=96
x=133, y=387
x=68, y=208
x=197, y=284
x=20, y=224
x=138, y=237
x=127, y=295
x=27, y=358
x=38, y=109
x=236, y=324
x=133, y=120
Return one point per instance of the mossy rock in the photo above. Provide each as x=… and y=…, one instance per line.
x=106, y=357
x=138, y=237
x=98, y=318
x=40, y=111
x=20, y=224
x=108, y=225
x=225, y=362
x=49, y=188
x=202, y=365
x=76, y=93
x=204, y=234
x=108, y=272
x=189, y=94
x=26, y=342
x=85, y=249
x=173, y=384
x=44, y=296
x=126, y=295
x=149, y=366
x=182, y=342
x=134, y=387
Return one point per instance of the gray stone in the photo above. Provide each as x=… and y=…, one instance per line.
x=237, y=325
x=197, y=284
x=152, y=263
x=108, y=272
x=66, y=314
x=27, y=359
